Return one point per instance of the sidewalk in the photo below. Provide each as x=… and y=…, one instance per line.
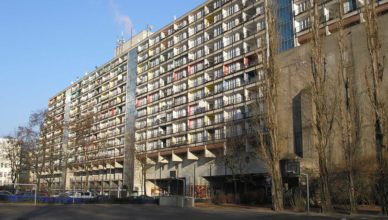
x=268, y=210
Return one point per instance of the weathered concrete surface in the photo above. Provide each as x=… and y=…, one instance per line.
x=295, y=80
x=139, y=212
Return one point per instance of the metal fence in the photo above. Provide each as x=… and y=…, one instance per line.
x=69, y=200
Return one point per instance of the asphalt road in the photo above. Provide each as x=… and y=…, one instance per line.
x=138, y=212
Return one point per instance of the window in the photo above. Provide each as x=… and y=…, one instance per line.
x=179, y=113
x=219, y=117
x=196, y=123
x=218, y=58
x=154, y=109
x=234, y=99
x=231, y=24
x=303, y=24
x=230, y=54
x=196, y=68
x=153, y=97
x=233, y=83
x=180, y=75
x=219, y=133
x=152, y=145
x=218, y=103
x=260, y=25
x=233, y=67
x=260, y=10
x=180, y=100
x=197, y=137
x=217, y=17
x=142, y=113
x=153, y=133
x=218, y=45
x=218, y=31
x=169, y=129
x=231, y=39
x=231, y=10
x=141, y=124
x=180, y=140
x=154, y=85
x=179, y=127
x=198, y=95
x=179, y=88
x=218, y=87
x=180, y=62
x=140, y=136
x=218, y=73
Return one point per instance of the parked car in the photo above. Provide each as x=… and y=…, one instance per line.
x=5, y=193
x=62, y=195
x=43, y=193
x=25, y=193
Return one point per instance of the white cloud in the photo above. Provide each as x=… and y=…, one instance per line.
x=123, y=21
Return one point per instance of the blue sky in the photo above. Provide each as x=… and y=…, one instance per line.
x=46, y=44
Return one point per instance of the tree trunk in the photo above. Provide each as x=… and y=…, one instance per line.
x=327, y=206
x=324, y=116
x=277, y=188
x=375, y=75
x=352, y=197
x=235, y=189
x=144, y=171
x=38, y=183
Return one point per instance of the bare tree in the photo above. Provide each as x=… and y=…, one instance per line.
x=267, y=125
x=145, y=163
x=83, y=144
x=323, y=105
x=234, y=156
x=87, y=146
x=40, y=134
x=348, y=116
x=374, y=75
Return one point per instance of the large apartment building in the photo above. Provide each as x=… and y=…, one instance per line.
x=167, y=106
x=195, y=82
x=106, y=96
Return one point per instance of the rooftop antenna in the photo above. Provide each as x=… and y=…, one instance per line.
x=149, y=28
x=120, y=43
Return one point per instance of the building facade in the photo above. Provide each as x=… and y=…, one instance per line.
x=196, y=80
x=171, y=106
x=5, y=166
x=330, y=13
x=87, y=151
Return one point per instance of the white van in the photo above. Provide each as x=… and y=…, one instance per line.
x=84, y=195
